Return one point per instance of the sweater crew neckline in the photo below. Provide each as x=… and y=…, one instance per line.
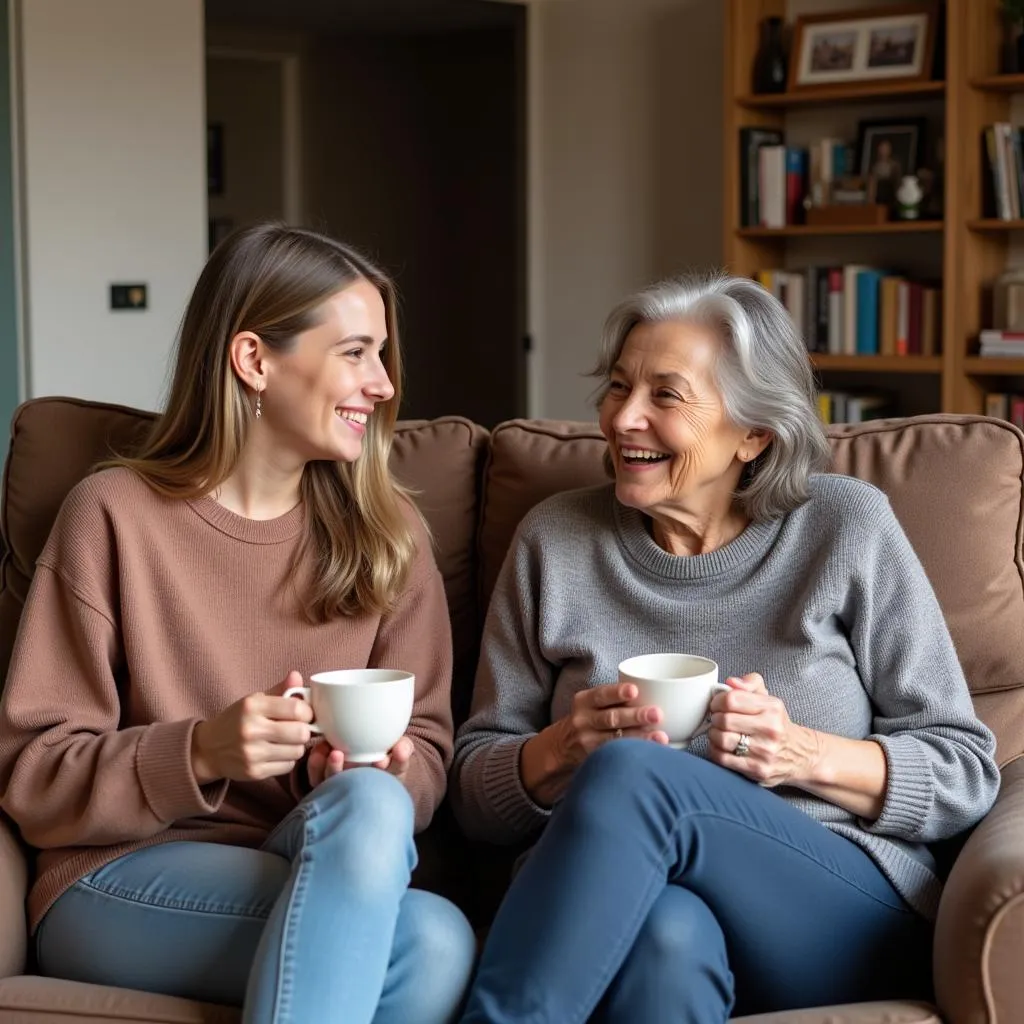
x=631, y=525
x=250, y=531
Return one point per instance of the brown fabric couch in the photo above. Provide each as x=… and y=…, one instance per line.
x=957, y=484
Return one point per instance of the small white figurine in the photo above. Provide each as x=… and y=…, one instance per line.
x=908, y=197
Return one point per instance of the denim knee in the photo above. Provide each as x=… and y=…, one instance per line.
x=365, y=817
x=439, y=951
x=677, y=931
x=379, y=800
x=615, y=762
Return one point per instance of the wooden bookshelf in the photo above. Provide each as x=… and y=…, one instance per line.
x=995, y=224
x=994, y=367
x=894, y=227
x=879, y=364
x=861, y=92
x=999, y=83
x=967, y=250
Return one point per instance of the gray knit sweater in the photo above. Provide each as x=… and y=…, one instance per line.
x=829, y=603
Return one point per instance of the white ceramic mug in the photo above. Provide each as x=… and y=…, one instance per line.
x=360, y=711
x=682, y=685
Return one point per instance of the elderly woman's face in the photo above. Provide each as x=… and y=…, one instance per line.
x=671, y=443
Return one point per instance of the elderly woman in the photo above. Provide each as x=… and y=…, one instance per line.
x=783, y=860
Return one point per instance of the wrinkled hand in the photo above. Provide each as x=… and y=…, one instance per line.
x=257, y=737
x=780, y=751
x=600, y=714
x=325, y=761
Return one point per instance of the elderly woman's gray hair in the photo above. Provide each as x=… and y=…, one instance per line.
x=763, y=373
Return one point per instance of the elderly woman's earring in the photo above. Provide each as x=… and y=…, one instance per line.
x=259, y=401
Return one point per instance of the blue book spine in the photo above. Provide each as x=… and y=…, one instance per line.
x=868, y=287
x=839, y=161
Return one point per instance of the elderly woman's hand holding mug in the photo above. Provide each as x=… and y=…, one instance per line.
x=751, y=733
x=599, y=714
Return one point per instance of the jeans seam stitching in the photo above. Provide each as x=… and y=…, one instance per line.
x=163, y=903
x=283, y=993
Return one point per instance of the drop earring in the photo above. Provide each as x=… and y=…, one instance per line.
x=259, y=401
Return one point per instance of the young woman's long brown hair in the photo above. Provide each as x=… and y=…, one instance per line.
x=271, y=279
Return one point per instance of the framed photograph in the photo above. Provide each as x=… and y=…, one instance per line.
x=886, y=150
x=863, y=46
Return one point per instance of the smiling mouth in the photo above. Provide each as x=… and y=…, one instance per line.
x=642, y=456
x=353, y=417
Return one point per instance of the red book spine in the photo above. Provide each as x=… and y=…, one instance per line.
x=1017, y=411
x=794, y=197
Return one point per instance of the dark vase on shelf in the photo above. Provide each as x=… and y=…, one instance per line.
x=770, y=62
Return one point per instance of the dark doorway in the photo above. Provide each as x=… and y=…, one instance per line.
x=412, y=147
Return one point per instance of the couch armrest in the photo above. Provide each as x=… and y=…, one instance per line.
x=979, y=933
x=13, y=889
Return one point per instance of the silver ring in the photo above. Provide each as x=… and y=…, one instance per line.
x=618, y=734
x=743, y=747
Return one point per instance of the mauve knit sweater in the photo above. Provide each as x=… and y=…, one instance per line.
x=148, y=614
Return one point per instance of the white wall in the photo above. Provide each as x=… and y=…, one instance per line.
x=625, y=169
x=114, y=188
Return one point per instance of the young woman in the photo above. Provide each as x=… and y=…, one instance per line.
x=190, y=841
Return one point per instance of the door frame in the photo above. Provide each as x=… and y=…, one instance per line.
x=13, y=308
x=290, y=65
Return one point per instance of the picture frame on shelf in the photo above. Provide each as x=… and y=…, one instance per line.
x=881, y=44
x=888, y=149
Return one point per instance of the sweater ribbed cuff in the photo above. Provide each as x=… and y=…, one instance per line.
x=164, y=765
x=503, y=788
x=910, y=788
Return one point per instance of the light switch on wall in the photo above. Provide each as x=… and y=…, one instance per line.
x=129, y=296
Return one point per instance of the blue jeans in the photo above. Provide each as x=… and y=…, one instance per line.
x=668, y=888
x=319, y=925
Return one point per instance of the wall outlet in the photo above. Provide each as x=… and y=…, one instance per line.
x=129, y=296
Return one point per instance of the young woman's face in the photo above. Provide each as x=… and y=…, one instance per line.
x=671, y=442
x=320, y=394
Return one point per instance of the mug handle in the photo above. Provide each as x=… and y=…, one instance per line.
x=706, y=724
x=302, y=693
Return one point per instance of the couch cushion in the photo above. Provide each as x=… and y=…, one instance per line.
x=529, y=461
x=856, y=1013
x=33, y=1000
x=957, y=486
x=441, y=461
x=55, y=441
x=955, y=483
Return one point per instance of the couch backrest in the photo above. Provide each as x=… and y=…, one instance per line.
x=955, y=482
x=55, y=441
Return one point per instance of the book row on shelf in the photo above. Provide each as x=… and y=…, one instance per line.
x=1002, y=344
x=1005, y=406
x=773, y=179
x=782, y=185
x=852, y=407
x=859, y=310
x=1004, y=184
